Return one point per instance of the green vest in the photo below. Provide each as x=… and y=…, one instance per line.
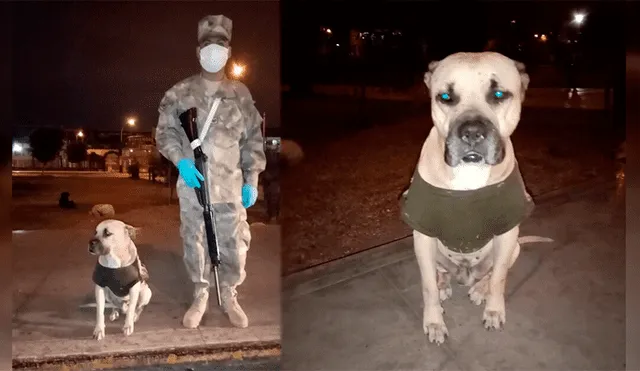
x=465, y=221
x=119, y=280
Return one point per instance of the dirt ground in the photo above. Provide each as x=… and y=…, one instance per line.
x=343, y=198
x=138, y=202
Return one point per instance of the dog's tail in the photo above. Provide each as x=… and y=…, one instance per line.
x=532, y=239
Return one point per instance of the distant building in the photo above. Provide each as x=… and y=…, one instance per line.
x=102, y=145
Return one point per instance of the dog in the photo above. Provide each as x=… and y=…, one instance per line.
x=102, y=211
x=120, y=278
x=467, y=198
x=64, y=201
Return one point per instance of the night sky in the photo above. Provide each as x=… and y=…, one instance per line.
x=448, y=27
x=93, y=64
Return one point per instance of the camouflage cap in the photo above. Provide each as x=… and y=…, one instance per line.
x=214, y=26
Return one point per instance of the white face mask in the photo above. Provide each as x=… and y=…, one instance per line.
x=213, y=57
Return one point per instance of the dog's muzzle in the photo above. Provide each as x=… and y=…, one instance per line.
x=96, y=247
x=474, y=140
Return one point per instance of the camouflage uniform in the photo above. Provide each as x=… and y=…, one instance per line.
x=234, y=147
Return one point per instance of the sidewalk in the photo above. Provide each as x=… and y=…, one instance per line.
x=71, y=173
x=144, y=175
x=565, y=303
x=52, y=278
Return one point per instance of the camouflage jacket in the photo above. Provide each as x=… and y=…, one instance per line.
x=234, y=143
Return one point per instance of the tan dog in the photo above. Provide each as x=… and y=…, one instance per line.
x=467, y=198
x=119, y=276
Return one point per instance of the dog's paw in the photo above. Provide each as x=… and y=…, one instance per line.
x=436, y=332
x=494, y=319
x=434, y=327
x=479, y=291
x=114, y=315
x=98, y=332
x=445, y=293
x=127, y=329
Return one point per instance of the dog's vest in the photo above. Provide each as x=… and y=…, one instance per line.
x=119, y=280
x=465, y=221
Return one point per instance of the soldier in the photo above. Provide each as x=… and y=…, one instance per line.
x=234, y=146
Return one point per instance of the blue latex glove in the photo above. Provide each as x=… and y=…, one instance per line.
x=189, y=173
x=249, y=195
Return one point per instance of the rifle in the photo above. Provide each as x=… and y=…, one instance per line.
x=188, y=119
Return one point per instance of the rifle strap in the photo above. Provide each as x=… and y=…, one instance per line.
x=198, y=141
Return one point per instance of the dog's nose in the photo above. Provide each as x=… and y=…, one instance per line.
x=92, y=243
x=473, y=131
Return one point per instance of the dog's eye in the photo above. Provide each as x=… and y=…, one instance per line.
x=498, y=94
x=447, y=98
x=106, y=233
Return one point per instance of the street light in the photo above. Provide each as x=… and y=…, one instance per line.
x=130, y=122
x=238, y=70
x=578, y=18
x=80, y=135
x=17, y=148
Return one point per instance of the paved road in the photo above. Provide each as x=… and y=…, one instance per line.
x=258, y=365
x=565, y=302
x=51, y=284
x=322, y=119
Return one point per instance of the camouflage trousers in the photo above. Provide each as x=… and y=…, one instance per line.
x=234, y=238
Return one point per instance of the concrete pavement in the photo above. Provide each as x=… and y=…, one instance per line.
x=565, y=302
x=52, y=279
x=250, y=365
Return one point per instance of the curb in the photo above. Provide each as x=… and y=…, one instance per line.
x=342, y=269
x=266, y=350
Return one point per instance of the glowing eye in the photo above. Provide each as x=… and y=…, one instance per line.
x=498, y=94
x=445, y=96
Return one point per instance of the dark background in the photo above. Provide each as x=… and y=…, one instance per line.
x=441, y=29
x=93, y=64
x=361, y=143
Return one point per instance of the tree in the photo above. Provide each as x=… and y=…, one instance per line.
x=96, y=161
x=45, y=144
x=76, y=152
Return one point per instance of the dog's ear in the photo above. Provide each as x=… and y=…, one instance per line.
x=524, y=77
x=427, y=76
x=131, y=231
